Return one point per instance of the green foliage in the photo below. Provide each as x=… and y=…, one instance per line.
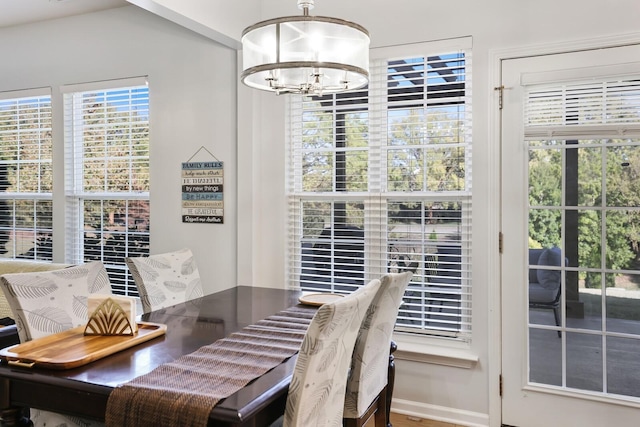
x=424, y=153
x=619, y=189
x=421, y=156
x=115, y=147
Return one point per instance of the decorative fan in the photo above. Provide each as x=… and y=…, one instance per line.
x=110, y=318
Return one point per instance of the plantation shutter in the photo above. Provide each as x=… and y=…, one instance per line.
x=379, y=180
x=26, y=175
x=107, y=178
x=603, y=109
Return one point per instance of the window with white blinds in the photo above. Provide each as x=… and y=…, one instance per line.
x=26, y=175
x=602, y=109
x=379, y=180
x=107, y=175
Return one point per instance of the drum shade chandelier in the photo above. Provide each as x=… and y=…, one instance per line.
x=305, y=54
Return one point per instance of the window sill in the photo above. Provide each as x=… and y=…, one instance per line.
x=431, y=350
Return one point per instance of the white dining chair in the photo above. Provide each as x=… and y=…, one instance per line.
x=367, y=386
x=47, y=302
x=317, y=390
x=165, y=279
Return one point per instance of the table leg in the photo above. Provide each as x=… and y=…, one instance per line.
x=11, y=416
x=14, y=417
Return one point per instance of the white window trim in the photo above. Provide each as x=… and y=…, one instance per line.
x=435, y=351
x=74, y=191
x=449, y=352
x=39, y=196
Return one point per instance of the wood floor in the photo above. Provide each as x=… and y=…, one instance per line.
x=399, y=420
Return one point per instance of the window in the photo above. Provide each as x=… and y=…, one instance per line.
x=26, y=175
x=107, y=175
x=379, y=180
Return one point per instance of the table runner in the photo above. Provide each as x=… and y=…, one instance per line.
x=183, y=392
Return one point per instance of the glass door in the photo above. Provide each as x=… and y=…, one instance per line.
x=571, y=225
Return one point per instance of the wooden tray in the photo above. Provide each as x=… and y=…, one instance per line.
x=71, y=348
x=319, y=298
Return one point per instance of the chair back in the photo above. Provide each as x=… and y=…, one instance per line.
x=545, y=284
x=8, y=266
x=317, y=390
x=166, y=279
x=47, y=302
x=370, y=362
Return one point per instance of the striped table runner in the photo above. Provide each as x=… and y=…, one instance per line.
x=183, y=392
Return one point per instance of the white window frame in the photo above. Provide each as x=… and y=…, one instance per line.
x=76, y=195
x=41, y=97
x=375, y=199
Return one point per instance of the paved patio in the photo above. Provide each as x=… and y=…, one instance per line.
x=595, y=361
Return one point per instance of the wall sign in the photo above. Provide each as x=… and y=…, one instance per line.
x=202, y=192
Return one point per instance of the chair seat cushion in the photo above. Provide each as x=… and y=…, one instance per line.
x=539, y=294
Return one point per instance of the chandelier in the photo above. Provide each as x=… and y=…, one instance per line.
x=305, y=54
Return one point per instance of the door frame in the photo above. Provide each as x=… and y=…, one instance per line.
x=494, y=291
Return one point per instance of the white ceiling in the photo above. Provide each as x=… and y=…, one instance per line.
x=14, y=12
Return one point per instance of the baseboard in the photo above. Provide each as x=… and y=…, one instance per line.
x=420, y=410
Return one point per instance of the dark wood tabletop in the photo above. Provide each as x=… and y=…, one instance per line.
x=84, y=391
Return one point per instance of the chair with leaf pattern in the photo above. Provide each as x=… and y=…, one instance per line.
x=166, y=279
x=47, y=302
x=317, y=390
x=368, y=387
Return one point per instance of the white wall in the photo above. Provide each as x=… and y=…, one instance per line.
x=221, y=20
x=192, y=83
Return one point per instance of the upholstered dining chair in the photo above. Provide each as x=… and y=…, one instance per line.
x=166, y=279
x=47, y=302
x=367, y=386
x=317, y=390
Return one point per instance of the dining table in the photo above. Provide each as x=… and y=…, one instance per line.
x=83, y=391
